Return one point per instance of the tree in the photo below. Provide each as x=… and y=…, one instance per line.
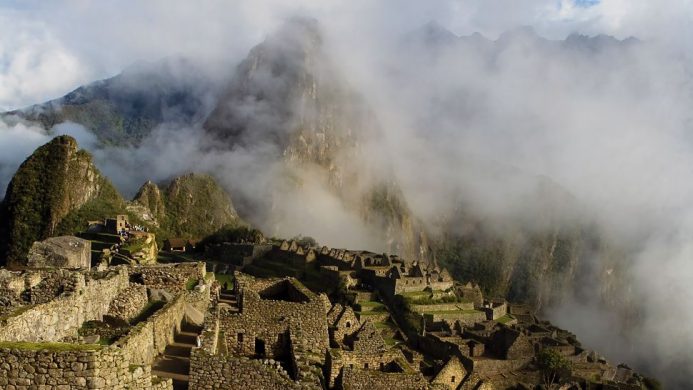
x=553, y=366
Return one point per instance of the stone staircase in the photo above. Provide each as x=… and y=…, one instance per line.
x=229, y=299
x=174, y=363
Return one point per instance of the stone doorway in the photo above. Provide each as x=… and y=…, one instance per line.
x=259, y=347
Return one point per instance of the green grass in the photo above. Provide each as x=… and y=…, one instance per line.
x=452, y=312
x=53, y=347
x=191, y=283
x=135, y=246
x=372, y=313
x=372, y=306
x=505, y=319
x=224, y=278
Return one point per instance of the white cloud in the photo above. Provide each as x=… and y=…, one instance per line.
x=34, y=65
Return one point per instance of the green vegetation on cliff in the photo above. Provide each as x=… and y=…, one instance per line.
x=191, y=206
x=108, y=204
x=536, y=268
x=54, y=181
x=124, y=109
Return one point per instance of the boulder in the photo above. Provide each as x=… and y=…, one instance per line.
x=60, y=252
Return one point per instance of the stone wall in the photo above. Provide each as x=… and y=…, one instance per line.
x=149, y=338
x=209, y=371
x=64, y=366
x=63, y=316
x=330, y=273
x=410, y=284
x=269, y=321
x=443, y=307
x=490, y=367
x=128, y=304
x=495, y=310
x=172, y=278
x=212, y=369
x=355, y=379
x=52, y=284
x=466, y=317
x=380, y=361
x=451, y=374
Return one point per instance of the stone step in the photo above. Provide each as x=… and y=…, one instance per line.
x=186, y=338
x=190, y=328
x=180, y=385
x=172, y=365
x=178, y=350
x=172, y=375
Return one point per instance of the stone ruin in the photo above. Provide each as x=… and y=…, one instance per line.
x=96, y=329
x=392, y=324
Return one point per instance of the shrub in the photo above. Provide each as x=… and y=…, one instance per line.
x=553, y=366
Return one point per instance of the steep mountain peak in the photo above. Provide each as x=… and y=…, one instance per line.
x=435, y=33
x=57, y=179
x=287, y=93
x=192, y=206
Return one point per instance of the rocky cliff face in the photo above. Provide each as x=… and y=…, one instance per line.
x=192, y=206
x=543, y=257
x=56, y=180
x=288, y=94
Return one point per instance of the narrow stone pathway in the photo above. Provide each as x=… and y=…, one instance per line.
x=174, y=363
x=228, y=298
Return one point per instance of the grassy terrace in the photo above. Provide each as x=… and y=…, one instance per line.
x=426, y=298
x=413, y=295
x=52, y=347
x=452, y=312
x=372, y=306
x=388, y=330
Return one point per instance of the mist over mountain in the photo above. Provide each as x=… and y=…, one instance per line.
x=552, y=170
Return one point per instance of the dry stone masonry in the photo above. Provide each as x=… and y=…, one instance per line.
x=388, y=323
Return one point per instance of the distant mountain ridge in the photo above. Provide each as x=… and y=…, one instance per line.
x=124, y=109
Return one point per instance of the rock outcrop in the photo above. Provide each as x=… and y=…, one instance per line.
x=55, y=181
x=191, y=206
x=60, y=252
x=288, y=93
